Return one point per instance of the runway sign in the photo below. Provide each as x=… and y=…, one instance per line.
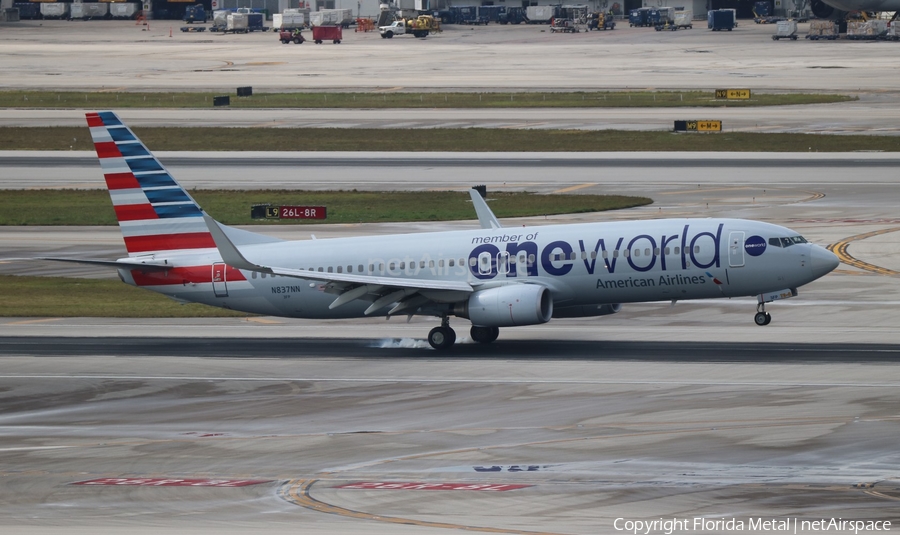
x=394, y=485
x=732, y=94
x=698, y=126
x=168, y=482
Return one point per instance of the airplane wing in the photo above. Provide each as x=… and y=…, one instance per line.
x=405, y=292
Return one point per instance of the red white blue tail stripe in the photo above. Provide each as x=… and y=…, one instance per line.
x=155, y=213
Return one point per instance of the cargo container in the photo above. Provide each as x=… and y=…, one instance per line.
x=866, y=30
x=88, y=11
x=684, y=19
x=639, y=17
x=661, y=16
x=195, y=13
x=331, y=17
x=288, y=21
x=720, y=19
x=786, y=29
x=822, y=30
x=126, y=10
x=513, y=15
x=28, y=10
x=540, y=14
x=55, y=10
x=220, y=20
x=237, y=22
x=893, y=33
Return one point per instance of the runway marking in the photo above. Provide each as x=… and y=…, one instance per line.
x=418, y=485
x=462, y=381
x=573, y=188
x=877, y=494
x=841, y=250
x=297, y=492
x=169, y=482
x=29, y=322
x=263, y=321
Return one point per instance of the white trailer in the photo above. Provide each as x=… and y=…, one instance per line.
x=55, y=10
x=539, y=14
x=331, y=17
x=88, y=10
x=127, y=10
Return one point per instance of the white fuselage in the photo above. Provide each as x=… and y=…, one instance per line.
x=580, y=264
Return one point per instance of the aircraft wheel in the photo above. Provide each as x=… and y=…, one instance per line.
x=442, y=338
x=762, y=318
x=484, y=335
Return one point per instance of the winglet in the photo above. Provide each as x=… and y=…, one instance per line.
x=230, y=253
x=485, y=216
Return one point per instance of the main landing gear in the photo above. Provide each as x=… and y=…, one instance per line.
x=762, y=317
x=444, y=337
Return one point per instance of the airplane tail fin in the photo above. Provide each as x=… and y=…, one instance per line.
x=155, y=213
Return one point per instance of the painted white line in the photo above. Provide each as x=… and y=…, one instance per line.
x=458, y=380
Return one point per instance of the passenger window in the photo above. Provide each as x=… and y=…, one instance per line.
x=441, y=263
x=330, y=269
x=371, y=268
x=593, y=255
x=677, y=250
x=605, y=255
x=531, y=259
x=573, y=255
x=667, y=251
x=462, y=262
x=340, y=269
x=656, y=251
x=696, y=249
x=616, y=253
x=381, y=268
x=627, y=253
x=637, y=252
x=431, y=263
x=321, y=270
x=583, y=255
x=450, y=263
x=392, y=266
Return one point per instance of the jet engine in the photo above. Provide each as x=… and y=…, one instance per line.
x=586, y=311
x=820, y=9
x=507, y=306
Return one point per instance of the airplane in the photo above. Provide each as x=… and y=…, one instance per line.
x=824, y=9
x=494, y=276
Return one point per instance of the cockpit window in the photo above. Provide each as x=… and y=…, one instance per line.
x=787, y=242
x=775, y=242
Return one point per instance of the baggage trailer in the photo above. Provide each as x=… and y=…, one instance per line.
x=327, y=33
x=787, y=29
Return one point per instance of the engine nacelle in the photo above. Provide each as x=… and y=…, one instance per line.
x=586, y=311
x=507, y=306
x=821, y=10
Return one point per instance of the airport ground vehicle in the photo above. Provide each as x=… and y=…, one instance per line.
x=418, y=27
x=603, y=20
x=291, y=36
x=320, y=34
x=195, y=13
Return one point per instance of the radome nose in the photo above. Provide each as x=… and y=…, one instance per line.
x=822, y=261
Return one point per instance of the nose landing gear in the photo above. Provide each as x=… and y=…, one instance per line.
x=762, y=317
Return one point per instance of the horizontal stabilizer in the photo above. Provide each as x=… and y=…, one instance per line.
x=118, y=264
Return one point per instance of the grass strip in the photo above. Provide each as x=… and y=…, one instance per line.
x=445, y=140
x=232, y=207
x=597, y=99
x=69, y=297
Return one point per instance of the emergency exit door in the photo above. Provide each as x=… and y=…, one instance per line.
x=219, y=284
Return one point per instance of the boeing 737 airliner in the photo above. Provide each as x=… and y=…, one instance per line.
x=496, y=277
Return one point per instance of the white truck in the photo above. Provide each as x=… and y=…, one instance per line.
x=402, y=27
